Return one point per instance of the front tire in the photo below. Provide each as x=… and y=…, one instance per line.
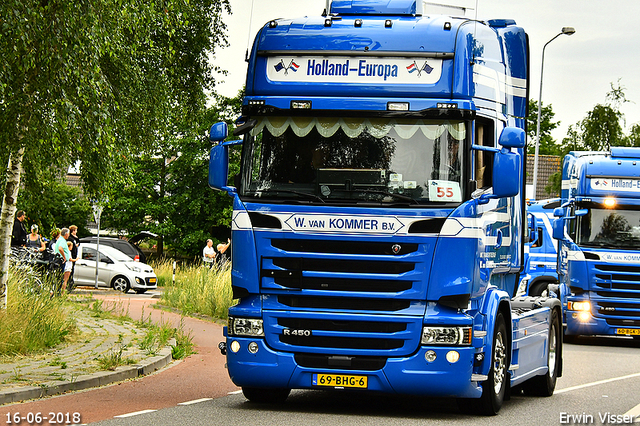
x=121, y=283
x=266, y=395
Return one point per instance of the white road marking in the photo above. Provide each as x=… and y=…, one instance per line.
x=122, y=416
x=195, y=401
x=599, y=382
x=635, y=413
x=235, y=392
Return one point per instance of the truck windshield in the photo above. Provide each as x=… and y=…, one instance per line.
x=335, y=159
x=610, y=228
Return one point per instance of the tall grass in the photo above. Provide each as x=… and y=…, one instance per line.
x=33, y=320
x=197, y=289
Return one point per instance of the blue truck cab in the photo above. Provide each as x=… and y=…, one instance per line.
x=378, y=220
x=599, y=241
x=541, y=250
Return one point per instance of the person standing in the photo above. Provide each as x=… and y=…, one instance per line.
x=62, y=248
x=208, y=254
x=19, y=233
x=75, y=241
x=34, y=240
x=222, y=255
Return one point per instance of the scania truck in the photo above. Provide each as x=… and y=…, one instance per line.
x=599, y=241
x=378, y=220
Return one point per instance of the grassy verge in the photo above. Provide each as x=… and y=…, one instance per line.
x=33, y=321
x=197, y=290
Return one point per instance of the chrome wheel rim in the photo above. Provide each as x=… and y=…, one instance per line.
x=552, y=351
x=499, y=363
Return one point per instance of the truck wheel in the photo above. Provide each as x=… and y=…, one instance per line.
x=545, y=385
x=539, y=289
x=495, y=387
x=266, y=395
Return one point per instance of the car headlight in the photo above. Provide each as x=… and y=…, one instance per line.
x=133, y=268
x=446, y=336
x=245, y=327
x=579, y=306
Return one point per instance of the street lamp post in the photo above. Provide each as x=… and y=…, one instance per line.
x=567, y=31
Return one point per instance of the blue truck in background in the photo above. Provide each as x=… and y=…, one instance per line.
x=541, y=251
x=379, y=218
x=599, y=241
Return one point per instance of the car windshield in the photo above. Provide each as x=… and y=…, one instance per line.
x=610, y=228
x=333, y=159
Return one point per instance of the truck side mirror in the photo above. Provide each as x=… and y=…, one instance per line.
x=218, y=132
x=558, y=229
x=507, y=165
x=558, y=212
x=219, y=157
x=507, y=179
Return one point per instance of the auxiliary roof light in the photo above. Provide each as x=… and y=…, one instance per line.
x=609, y=202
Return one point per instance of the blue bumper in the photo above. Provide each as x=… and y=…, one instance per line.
x=590, y=326
x=403, y=375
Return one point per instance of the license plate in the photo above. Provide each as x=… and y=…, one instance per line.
x=152, y=280
x=631, y=331
x=339, y=380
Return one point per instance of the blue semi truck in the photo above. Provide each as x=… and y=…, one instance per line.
x=599, y=241
x=541, y=251
x=378, y=218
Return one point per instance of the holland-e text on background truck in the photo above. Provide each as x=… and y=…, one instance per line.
x=378, y=218
x=599, y=241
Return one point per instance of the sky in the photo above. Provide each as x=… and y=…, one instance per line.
x=578, y=69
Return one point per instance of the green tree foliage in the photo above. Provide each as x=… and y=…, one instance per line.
x=601, y=129
x=95, y=81
x=548, y=145
x=55, y=205
x=168, y=192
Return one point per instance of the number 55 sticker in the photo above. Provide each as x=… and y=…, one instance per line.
x=444, y=190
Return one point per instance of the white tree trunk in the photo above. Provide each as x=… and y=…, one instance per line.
x=9, y=198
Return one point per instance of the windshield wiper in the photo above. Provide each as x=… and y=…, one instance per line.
x=290, y=191
x=398, y=196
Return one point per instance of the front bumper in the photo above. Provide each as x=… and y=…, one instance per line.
x=402, y=375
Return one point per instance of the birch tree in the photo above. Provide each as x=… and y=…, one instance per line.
x=95, y=81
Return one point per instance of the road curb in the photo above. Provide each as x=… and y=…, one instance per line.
x=100, y=378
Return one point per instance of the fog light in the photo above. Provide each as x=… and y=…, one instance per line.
x=453, y=356
x=235, y=346
x=253, y=347
x=584, y=316
x=430, y=356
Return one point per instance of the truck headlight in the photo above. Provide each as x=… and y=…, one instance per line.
x=446, y=336
x=245, y=327
x=579, y=306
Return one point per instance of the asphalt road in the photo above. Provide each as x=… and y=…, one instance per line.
x=600, y=376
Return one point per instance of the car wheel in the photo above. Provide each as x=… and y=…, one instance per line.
x=120, y=283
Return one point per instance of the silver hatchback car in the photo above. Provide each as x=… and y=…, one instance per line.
x=115, y=269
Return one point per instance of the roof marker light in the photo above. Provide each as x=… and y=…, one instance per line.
x=327, y=22
x=388, y=23
x=447, y=26
x=357, y=23
x=273, y=24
